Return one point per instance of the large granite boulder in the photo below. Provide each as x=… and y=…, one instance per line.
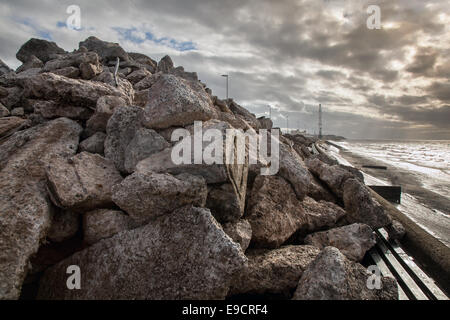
x=273, y=272
x=25, y=209
x=184, y=255
x=82, y=182
x=42, y=49
x=177, y=102
x=362, y=207
x=331, y=276
x=147, y=195
x=353, y=240
x=103, y=111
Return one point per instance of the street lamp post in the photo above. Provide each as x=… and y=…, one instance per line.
x=226, y=76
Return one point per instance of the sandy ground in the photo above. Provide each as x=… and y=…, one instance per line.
x=427, y=208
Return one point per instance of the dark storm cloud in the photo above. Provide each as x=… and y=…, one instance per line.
x=291, y=54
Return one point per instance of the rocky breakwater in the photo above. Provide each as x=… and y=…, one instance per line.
x=88, y=179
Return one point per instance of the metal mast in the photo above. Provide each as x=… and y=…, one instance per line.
x=320, y=121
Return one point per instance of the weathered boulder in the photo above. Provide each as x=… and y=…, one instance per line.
x=265, y=123
x=54, y=109
x=25, y=210
x=144, y=143
x=176, y=102
x=138, y=75
x=9, y=125
x=320, y=215
x=75, y=60
x=333, y=176
x=353, y=240
x=225, y=204
x=293, y=170
x=64, y=225
x=147, y=82
x=331, y=276
x=4, y=112
x=83, y=182
x=147, y=195
x=4, y=69
x=94, y=144
x=13, y=98
x=89, y=70
x=104, y=223
x=240, y=231
x=318, y=191
x=17, y=112
x=165, y=65
x=362, y=207
x=274, y=212
x=106, y=50
x=144, y=60
x=127, y=142
x=104, y=110
x=82, y=93
x=42, y=49
x=69, y=72
x=275, y=272
x=185, y=255
x=179, y=72
x=33, y=62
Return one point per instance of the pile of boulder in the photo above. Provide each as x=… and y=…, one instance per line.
x=87, y=180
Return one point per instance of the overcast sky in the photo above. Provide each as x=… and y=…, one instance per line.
x=391, y=83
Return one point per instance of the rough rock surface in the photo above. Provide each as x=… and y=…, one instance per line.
x=274, y=212
x=396, y=230
x=83, y=182
x=94, y=144
x=294, y=170
x=240, y=231
x=3, y=111
x=42, y=49
x=353, y=240
x=176, y=102
x=83, y=93
x=9, y=125
x=104, y=110
x=185, y=255
x=106, y=50
x=104, y=223
x=24, y=206
x=275, y=272
x=147, y=195
x=362, y=207
x=333, y=176
x=54, y=109
x=331, y=276
x=64, y=226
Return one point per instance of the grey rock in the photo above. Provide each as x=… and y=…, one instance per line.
x=240, y=231
x=225, y=202
x=353, y=240
x=331, y=276
x=396, y=230
x=275, y=272
x=54, y=109
x=42, y=49
x=83, y=93
x=9, y=125
x=104, y=110
x=106, y=50
x=147, y=195
x=362, y=207
x=165, y=64
x=64, y=226
x=136, y=76
x=104, y=223
x=265, y=123
x=17, y=112
x=25, y=210
x=89, y=70
x=147, y=82
x=176, y=102
x=94, y=144
x=144, y=143
x=69, y=72
x=3, y=111
x=83, y=182
x=33, y=62
x=185, y=255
